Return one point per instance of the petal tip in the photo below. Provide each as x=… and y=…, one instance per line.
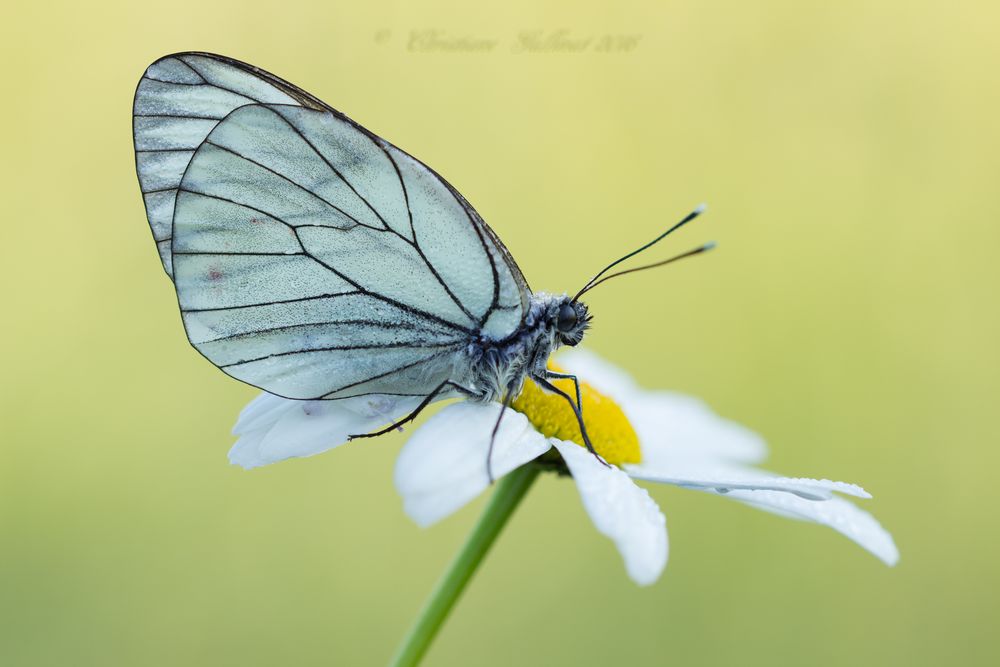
x=887, y=552
x=238, y=456
x=647, y=576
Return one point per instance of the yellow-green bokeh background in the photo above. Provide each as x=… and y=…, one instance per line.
x=850, y=152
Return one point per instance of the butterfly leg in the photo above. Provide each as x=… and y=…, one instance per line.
x=545, y=384
x=428, y=399
x=552, y=375
x=507, y=400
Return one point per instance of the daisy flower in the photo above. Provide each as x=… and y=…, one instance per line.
x=651, y=436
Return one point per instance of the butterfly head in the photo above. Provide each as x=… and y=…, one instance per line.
x=571, y=320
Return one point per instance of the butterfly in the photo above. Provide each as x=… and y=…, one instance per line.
x=317, y=261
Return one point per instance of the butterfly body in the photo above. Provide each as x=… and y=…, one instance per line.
x=498, y=368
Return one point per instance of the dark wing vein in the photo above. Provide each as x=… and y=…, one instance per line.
x=238, y=252
x=416, y=246
x=289, y=327
x=399, y=175
x=399, y=304
x=246, y=206
x=191, y=67
x=387, y=373
x=334, y=170
x=177, y=115
x=333, y=348
x=382, y=297
x=216, y=85
x=388, y=228
x=270, y=303
x=296, y=184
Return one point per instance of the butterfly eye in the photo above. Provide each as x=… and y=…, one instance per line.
x=567, y=318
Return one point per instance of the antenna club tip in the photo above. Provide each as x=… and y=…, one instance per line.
x=700, y=208
x=710, y=245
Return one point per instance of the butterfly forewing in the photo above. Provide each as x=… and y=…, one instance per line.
x=179, y=100
x=311, y=258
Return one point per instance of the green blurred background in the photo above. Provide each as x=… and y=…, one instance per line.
x=850, y=153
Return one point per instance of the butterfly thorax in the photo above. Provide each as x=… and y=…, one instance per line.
x=497, y=368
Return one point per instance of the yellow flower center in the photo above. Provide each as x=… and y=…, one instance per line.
x=610, y=431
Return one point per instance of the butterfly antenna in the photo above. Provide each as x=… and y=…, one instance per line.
x=690, y=253
x=688, y=218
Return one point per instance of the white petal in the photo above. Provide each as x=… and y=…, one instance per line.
x=272, y=429
x=666, y=422
x=837, y=513
x=443, y=465
x=621, y=510
x=680, y=426
x=725, y=477
x=683, y=442
x=260, y=412
x=602, y=374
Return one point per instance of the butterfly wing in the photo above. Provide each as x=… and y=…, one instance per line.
x=312, y=258
x=179, y=100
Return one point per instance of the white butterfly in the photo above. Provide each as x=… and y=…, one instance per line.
x=315, y=260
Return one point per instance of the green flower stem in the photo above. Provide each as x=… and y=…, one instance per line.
x=510, y=490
